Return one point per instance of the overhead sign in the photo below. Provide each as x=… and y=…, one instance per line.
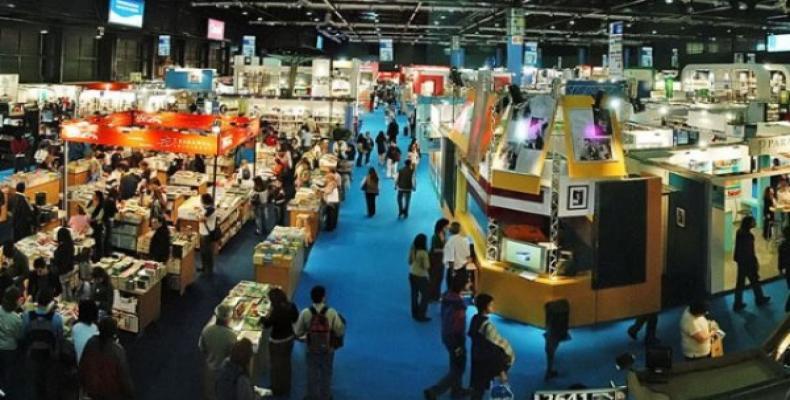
x=248, y=46
x=127, y=12
x=616, y=49
x=531, y=54
x=646, y=57
x=778, y=43
x=164, y=46
x=216, y=29
x=386, y=52
x=769, y=145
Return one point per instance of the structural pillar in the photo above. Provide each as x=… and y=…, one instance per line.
x=515, y=43
x=582, y=55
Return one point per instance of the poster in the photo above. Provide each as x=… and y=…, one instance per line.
x=592, y=134
x=215, y=30
x=163, y=49
x=527, y=135
x=531, y=54
x=248, y=46
x=9, y=85
x=386, y=53
x=616, y=49
x=127, y=12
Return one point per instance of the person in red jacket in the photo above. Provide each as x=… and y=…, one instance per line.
x=19, y=148
x=103, y=370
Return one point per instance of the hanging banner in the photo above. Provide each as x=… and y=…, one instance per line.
x=248, y=46
x=592, y=138
x=320, y=77
x=515, y=25
x=646, y=57
x=675, y=60
x=616, y=49
x=531, y=54
x=386, y=53
x=163, y=49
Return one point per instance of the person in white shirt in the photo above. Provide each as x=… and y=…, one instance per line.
x=331, y=200
x=456, y=253
x=86, y=327
x=207, y=222
x=695, y=331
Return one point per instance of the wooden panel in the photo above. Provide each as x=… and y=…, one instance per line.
x=644, y=298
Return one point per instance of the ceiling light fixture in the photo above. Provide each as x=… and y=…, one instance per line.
x=572, y=22
x=668, y=1
x=316, y=19
x=655, y=31
x=260, y=18
x=244, y=13
x=553, y=27
x=309, y=12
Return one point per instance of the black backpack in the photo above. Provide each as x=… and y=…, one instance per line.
x=41, y=334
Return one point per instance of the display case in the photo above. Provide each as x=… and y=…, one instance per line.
x=280, y=258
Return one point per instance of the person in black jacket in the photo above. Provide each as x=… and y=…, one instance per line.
x=405, y=184
x=63, y=262
x=129, y=182
x=160, y=241
x=102, y=291
x=110, y=209
x=784, y=261
x=42, y=279
x=748, y=265
x=198, y=164
x=392, y=130
x=22, y=216
x=281, y=319
x=96, y=213
x=381, y=147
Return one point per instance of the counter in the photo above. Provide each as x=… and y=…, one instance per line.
x=194, y=180
x=279, y=259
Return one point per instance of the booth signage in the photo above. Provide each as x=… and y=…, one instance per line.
x=386, y=53
x=769, y=145
x=675, y=60
x=215, y=30
x=127, y=12
x=248, y=46
x=646, y=57
x=163, y=49
x=531, y=54
x=616, y=49
x=515, y=22
x=455, y=43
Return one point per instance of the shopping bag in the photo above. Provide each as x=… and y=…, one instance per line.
x=717, y=347
x=501, y=391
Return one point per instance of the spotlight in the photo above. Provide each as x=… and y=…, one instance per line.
x=572, y=22
x=668, y=1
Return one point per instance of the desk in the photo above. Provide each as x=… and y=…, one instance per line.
x=136, y=316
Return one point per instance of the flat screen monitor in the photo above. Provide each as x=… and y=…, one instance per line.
x=524, y=254
x=127, y=12
x=216, y=29
x=776, y=43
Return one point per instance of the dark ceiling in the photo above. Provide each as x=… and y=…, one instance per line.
x=483, y=22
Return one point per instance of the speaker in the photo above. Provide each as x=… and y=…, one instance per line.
x=41, y=198
x=557, y=319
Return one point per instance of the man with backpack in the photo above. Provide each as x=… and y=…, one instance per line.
x=322, y=328
x=43, y=329
x=453, y=314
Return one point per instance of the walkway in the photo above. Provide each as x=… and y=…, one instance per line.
x=387, y=355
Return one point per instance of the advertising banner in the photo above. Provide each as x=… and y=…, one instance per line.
x=592, y=136
x=531, y=54
x=163, y=49
x=127, y=12
x=616, y=49
x=646, y=57
x=216, y=29
x=201, y=80
x=386, y=53
x=248, y=46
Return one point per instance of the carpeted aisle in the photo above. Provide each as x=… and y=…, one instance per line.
x=387, y=355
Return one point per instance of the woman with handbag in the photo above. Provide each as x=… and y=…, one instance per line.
x=370, y=185
x=207, y=227
x=492, y=355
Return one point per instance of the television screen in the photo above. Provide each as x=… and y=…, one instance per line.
x=127, y=12
x=523, y=254
x=778, y=43
x=164, y=45
x=216, y=29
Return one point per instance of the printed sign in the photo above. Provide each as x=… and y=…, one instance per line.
x=646, y=57
x=164, y=46
x=127, y=12
x=386, y=53
x=616, y=49
x=531, y=54
x=216, y=29
x=248, y=46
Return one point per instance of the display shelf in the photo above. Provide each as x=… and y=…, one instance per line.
x=181, y=265
x=280, y=258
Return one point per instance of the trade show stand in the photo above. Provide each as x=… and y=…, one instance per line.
x=279, y=259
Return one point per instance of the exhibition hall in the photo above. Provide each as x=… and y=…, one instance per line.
x=408, y=199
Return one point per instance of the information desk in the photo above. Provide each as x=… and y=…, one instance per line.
x=280, y=258
x=723, y=377
x=181, y=266
x=250, y=302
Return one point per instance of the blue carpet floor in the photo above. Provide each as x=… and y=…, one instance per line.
x=387, y=355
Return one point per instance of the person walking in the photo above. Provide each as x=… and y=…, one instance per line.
x=769, y=205
x=456, y=254
x=104, y=370
x=381, y=147
x=63, y=263
x=369, y=145
x=453, y=314
x=418, y=277
x=331, y=197
x=393, y=159
x=86, y=326
x=492, y=355
x=21, y=213
x=748, y=265
x=370, y=186
x=280, y=320
x=405, y=183
x=43, y=329
x=215, y=344
x=436, y=273
x=323, y=329
x=258, y=201
x=207, y=225
x=393, y=129
x=362, y=149
x=110, y=209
